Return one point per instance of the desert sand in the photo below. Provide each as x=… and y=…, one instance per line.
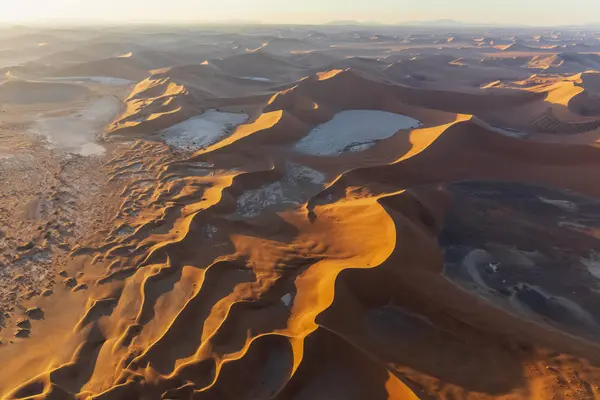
x=323, y=212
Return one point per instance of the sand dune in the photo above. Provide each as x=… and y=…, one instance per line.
x=513, y=47
x=340, y=213
x=174, y=94
x=87, y=53
x=257, y=64
x=587, y=103
x=364, y=64
x=29, y=92
x=211, y=79
x=568, y=105
x=505, y=62
x=364, y=91
x=566, y=62
x=117, y=67
x=433, y=72
x=312, y=59
x=288, y=45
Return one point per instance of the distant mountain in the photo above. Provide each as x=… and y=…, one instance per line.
x=435, y=23
x=343, y=23
x=354, y=23
x=235, y=21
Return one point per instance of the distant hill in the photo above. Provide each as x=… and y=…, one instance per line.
x=436, y=23
x=353, y=23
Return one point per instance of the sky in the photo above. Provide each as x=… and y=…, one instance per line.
x=508, y=12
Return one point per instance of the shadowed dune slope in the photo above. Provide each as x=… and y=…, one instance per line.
x=446, y=72
x=117, y=67
x=257, y=64
x=457, y=147
x=365, y=91
x=29, y=92
x=288, y=45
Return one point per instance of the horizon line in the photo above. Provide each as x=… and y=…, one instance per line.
x=449, y=23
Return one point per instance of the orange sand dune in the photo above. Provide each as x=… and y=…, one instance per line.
x=249, y=269
x=586, y=102
x=566, y=62
x=174, y=94
x=569, y=105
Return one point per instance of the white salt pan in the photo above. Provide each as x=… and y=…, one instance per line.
x=202, y=130
x=298, y=184
x=76, y=133
x=354, y=130
x=99, y=80
x=256, y=78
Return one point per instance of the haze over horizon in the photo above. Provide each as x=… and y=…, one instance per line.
x=510, y=12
